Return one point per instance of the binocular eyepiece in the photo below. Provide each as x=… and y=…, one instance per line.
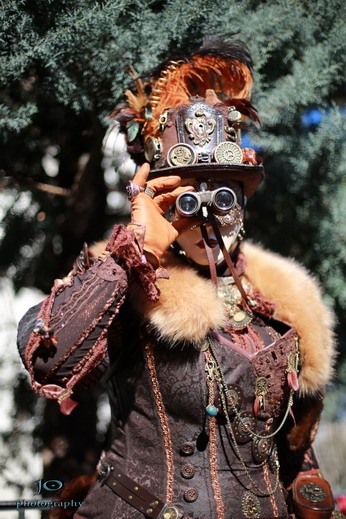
x=221, y=200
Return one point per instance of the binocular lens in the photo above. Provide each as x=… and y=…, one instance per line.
x=224, y=200
x=188, y=204
x=221, y=201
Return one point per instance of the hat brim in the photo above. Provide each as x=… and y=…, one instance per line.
x=249, y=176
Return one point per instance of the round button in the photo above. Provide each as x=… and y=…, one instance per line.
x=261, y=449
x=243, y=427
x=188, y=471
x=233, y=397
x=171, y=513
x=190, y=495
x=187, y=449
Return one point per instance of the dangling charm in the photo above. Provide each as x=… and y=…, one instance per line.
x=210, y=368
x=292, y=369
x=260, y=392
x=250, y=505
x=211, y=410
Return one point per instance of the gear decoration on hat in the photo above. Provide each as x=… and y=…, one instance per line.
x=228, y=153
x=201, y=100
x=181, y=155
x=220, y=65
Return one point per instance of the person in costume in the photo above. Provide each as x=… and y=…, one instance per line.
x=216, y=366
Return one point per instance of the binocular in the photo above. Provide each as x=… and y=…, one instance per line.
x=221, y=200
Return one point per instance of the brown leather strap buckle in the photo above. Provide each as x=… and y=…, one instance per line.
x=104, y=469
x=134, y=493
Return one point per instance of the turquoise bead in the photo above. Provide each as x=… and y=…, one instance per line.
x=211, y=410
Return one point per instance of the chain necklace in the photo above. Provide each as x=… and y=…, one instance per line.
x=215, y=374
x=292, y=368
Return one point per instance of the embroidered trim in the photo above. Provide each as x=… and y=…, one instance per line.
x=93, y=358
x=214, y=468
x=163, y=420
x=214, y=472
x=270, y=490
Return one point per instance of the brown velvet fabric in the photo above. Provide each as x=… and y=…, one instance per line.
x=139, y=440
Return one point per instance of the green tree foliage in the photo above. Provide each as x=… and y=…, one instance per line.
x=64, y=66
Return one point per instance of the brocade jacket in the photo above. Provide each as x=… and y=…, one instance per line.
x=214, y=402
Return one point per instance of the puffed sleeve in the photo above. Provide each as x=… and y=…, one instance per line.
x=64, y=340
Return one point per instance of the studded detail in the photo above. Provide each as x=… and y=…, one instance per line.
x=261, y=449
x=243, y=425
x=187, y=449
x=188, y=471
x=190, y=495
x=234, y=398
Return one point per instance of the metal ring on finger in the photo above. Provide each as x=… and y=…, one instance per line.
x=133, y=190
x=149, y=191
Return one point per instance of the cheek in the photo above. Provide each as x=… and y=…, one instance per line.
x=189, y=239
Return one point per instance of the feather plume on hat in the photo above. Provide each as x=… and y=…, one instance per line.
x=218, y=65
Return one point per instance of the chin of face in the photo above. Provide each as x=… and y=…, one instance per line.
x=191, y=243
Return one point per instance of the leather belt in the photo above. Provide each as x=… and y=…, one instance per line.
x=134, y=493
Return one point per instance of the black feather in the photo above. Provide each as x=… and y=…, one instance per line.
x=218, y=46
x=224, y=48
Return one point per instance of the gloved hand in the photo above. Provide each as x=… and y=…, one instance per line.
x=147, y=211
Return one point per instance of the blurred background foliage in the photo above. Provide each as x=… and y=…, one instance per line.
x=65, y=65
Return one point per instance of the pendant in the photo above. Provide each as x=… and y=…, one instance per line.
x=239, y=318
x=250, y=505
x=211, y=410
x=261, y=390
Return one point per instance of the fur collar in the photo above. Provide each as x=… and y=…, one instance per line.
x=189, y=307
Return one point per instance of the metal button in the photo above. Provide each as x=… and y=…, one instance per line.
x=187, y=449
x=170, y=513
x=188, y=471
x=234, y=398
x=243, y=427
x=190, y=495
x=261, y=449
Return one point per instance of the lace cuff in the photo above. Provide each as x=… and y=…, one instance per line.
x=126, y=246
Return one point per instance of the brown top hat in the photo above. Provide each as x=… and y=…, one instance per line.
x=203, y=140
x=187, y=119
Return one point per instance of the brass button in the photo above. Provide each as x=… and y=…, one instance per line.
x=187, y=449
x=188, y=471
x=190, y=495
x=170, y=513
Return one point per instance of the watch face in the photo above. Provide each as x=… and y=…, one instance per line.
x=181, y=155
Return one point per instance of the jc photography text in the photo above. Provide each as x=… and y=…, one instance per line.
x=47, y=503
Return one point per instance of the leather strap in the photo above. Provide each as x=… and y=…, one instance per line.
x=209, y=253
x=228, y=260
x=135, y=494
